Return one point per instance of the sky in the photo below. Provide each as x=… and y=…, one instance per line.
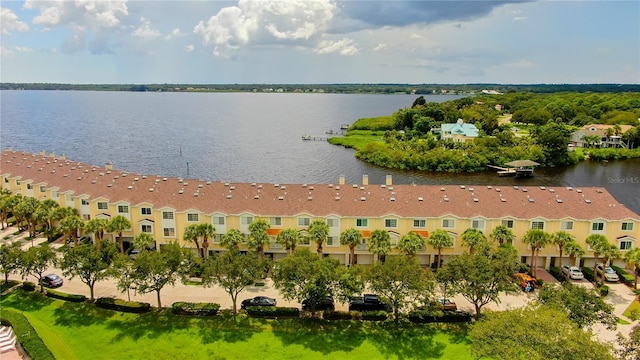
x=319, y=42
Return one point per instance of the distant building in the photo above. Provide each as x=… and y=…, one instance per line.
x=581, y=137
x=459, y=132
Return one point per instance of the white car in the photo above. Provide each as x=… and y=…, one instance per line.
x=609, y=274
x=573, y=272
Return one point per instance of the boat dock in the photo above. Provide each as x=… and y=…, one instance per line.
x=313, y=138
x=518, y=168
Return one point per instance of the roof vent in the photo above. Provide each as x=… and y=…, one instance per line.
x=259, y=186
x=552, y=190
x=280, y=197
x=129, y=187
x=310, y=187
x=337, y=188
x=257, y=197
x=283, y=187
x=559, y=201
x=150, y=189
x=116, y=177
x=361, y=187
x=362, y=198
x=180, y=180
x=355, y=186
x=442, y=189
x=420, y=198
x=503, y=199
x=524, y=190
x=383, y=186
x=330, y=185
x=497, y=189
x=79, y=177
x=124, y=174
x=390, y=188
x=475, y=200
x=337, y=198
x=228, y=196
x=470, y=189
x=516, y=187
x=232, y=188
x=93, y=181
x=181, y=191
x=446, y=199
x=163, y=179
x=579, y=191
x=532, y=200
x=101, y=174
x=226, y=184
x=542, y=187
x=136, y=179
x=276, y=185
x=208, y=182
x=599, y=191
x=200, y=186
x=489, y=187
x=569, y=188
x=108, y=171
x=587, y=201
x=195, y=193
x=310, y=198
x=462, y=186
x=144, y=176
x=392, y=199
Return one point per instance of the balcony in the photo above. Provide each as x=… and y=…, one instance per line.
x=362, y=247
x=275, y=246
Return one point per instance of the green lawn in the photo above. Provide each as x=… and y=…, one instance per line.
x=633, y=307
x=83, y=331
x=357, y=138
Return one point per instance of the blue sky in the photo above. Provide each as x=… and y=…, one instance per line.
x=320, y=41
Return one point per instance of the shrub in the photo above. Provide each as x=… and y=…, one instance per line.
x=66, y=297
x=374, y=315
x=8, y=285
x=338, y=315
x=259, y=283
x=122, y=305
x=427, y=316
x=603, y=290
x=32, y=344
x=539, y=282
x=523, y=268
x=272, y=311
x=624, y=276
x=28, y=286
x=200, y=309
x=588, y=273
x=556, y=273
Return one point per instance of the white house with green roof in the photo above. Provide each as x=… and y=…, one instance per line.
x=459, y=132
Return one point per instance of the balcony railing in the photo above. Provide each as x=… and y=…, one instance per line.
x=275, y=246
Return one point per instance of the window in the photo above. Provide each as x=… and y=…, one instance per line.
x=419, y=223
x=84, y=201
x=29, y=187
x=167, y=215
x=69, y=198
x=448, y=223
x=275, y=221
x=217, y=220
x=597, y=226
x=145, y=228
x=169, y=232
x=566, y=225
x=362, y=222
x=86, y=217
x=192, y=217
x=626, y=245
x=303, y=221
x=6, y=180
x=246, y=220
x=54, y=194
x=42, y=189
x=145, y=211
x=477, y=224
x=103, y=205
x=333, y=241
x=390, y=223
x=123, y=209
x=537, y=225
x=627, y=226
x=333, y=223
x=18, y=182
x=508, y=224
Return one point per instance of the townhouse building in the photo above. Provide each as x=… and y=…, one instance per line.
x=165, y=206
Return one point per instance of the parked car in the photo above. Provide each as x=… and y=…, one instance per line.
x=326, y=303
x=447, y=305
x=609, y=274
x=52, y=281
x=573, y=272
x=133, y=254
x=368, y=302
x=258, y=301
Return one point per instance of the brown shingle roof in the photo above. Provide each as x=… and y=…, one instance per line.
x=314, y=199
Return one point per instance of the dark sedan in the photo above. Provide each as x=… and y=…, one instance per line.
x=52, y=281
x=326, y=303
x=258, y=301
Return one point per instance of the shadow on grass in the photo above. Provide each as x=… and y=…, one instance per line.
x=71, y=314
x=25, y=300
x=407, y=340
x=228, y=329
x=320, y=335
x=149, y=325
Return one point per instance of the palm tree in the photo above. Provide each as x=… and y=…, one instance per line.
x=6, y=204
x=143, y=241
x=410, y=243
x=562, y=239
x=574, y=250
x=118, y=225
x=352, y=238
x=289, y=238
x=597, y=242
x=231, y=239
x=318, y=233
x=633, y=256
x=258, y=236
x=471, y=238
x=536, y=239
x=70, y=225
x=440, y=239
x=60, y=213
x=191, y=234
x=380, y=243
x=97, y=227
x=502, y=234
x=207, y=231
x=609, y=252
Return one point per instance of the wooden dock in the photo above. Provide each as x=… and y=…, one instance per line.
x=308, y=137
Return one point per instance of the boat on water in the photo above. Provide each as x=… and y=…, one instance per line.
x=344, y=126
x=306, y=137
x=330, y=132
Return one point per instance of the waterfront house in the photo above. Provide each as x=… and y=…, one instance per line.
x=599, y=135
x=165, y=206
x=459, y=131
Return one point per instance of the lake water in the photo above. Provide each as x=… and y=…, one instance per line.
x=242, y=137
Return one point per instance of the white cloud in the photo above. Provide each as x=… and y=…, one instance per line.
x=9, y=22
x=145, y=31
x=254, y=22
x=521, y=64
x=519, y=18
x=87, y=13
x=190, y=48
x=380, y=46
x=5, y=51
x=175, y=33
x=343, y=47
x=415, y=36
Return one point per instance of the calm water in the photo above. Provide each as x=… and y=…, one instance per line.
x=241, y=137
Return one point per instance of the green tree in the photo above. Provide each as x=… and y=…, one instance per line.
x=258, y=236
x=36, y=260
x=231, y=239
x=233, y=272
x=472, y=237
x=97, y=227
x=633, y=257
x=583, y=305
x=123, y=273
x=411, y=243
x=398, y=279
x=609, y=252
x=481, y=277
x=535, y=334
x=207, y=231
x=70, y=225
x=118, y=225
x=562, y=239
x=351, y=237
x=143, y=241
x=318, y=233
x=44, y=211
x=536, y=239
x=554, y=139
x=7, y=202
x=574, y=251
x=191, y=233
x=10, y=258
x=156, y=269
x=26, y=210
x=503, y=235
x=597, y=242
x=88, y=263
x=289, y=239
x=629, y=347
x=440, y=239
x=380, y=243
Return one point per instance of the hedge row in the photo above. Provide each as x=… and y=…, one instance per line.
x=355, y=315
x=26, y=335
x=557, y=273
x=588, y=273
x=66, y=297
x=426, y=316
x=624, y=276
x=122, y=305
x=28, y=286
x=200, y=309
x=272, y=311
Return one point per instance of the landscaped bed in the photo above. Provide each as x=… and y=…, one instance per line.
x=84, y=331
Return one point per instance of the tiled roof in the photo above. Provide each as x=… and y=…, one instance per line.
x=461, y=128
x=348, y=200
